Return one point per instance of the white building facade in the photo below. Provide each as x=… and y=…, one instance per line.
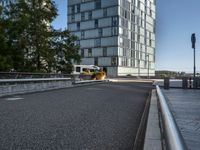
x=117, y=35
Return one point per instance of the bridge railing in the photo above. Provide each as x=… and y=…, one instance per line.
x=172, y=134
x=19, y=86
x=30, y=75
x=17, y=82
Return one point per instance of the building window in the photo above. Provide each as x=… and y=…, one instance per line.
x=150, y=42
x=133, y=54
x=137, y=54
x=132, y=45
x=139, y=4
x=89, y=52
x=138, y=63
x=96, y=23
x=97, y=42
x=138, y=38
x=78, y=42
x=114, y=61
x=132, y=63
x=125, y=51
x=125, y=14
x=90, y=15
x=82, y=34
x=82, y=52
x=78, y=69
x=105, y=12
x=78, y=25
x=100, y=32
x=78, y=8
x=114, y=31
x=72, y=18
x=97, y=4
x=82, y=16
x=105, y=51
x=114, y=21
x=150, y=13
x=96, y=61
x=73, y=9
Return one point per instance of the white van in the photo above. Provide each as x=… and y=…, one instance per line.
x=78, y=69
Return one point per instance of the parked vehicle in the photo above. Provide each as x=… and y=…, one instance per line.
x=85, y=69
x=96, y=72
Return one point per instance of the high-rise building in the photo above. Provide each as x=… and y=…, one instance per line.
x=117, y=35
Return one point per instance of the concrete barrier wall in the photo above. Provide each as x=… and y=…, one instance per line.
x=19, y=86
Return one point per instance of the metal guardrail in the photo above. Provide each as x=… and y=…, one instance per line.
x=173, y=137
x=10, y=81
x=22, y=75
x=30, y=75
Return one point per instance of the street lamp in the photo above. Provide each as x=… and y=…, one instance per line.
x=193, y=40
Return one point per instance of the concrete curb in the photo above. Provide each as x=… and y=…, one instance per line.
x=139, y=140
x=153, y=133
x=90, y=81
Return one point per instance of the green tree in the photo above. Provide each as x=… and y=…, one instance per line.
x=5, y=54
x=66, y=51
x=29, y=41
x=29, y=32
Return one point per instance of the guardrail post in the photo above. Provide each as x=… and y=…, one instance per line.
x=195, y=82
x=185, y=83
x=190, y=82
x=166, y=83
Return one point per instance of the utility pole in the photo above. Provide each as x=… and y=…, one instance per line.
x=193, y=40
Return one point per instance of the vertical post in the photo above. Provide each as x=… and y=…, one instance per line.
x=185, y=83
x=138, y=62
x=193, y=40
x=194, y=63
x=166, y=83
x=148, y=66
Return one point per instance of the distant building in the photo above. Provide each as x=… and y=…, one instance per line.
x=118, y=35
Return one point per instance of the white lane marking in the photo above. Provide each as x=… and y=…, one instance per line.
x=14, y=98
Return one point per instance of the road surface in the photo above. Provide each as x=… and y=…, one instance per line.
x=96, y=117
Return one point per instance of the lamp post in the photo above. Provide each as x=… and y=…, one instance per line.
x=193, y=40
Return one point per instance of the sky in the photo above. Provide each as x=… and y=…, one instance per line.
x=176, y=20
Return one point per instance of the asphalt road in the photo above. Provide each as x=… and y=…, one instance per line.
x=97, y=117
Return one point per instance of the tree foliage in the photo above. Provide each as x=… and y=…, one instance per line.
x=29, y=42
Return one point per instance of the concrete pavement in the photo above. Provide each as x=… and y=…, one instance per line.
x=185, y=106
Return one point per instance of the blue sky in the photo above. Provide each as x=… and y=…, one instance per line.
x=61, y=20
x=176, y=20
